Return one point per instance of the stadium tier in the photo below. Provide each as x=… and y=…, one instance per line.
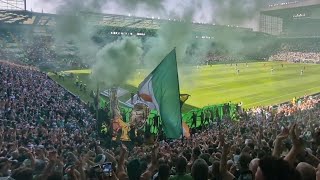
x=18, y=27
x=287, y=28
x=110, y=20
x=293, y=20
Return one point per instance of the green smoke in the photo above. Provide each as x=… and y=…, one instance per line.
x=175, y=34
x=111, y=64
x=235, y=12
x=74, y=26
x=169, y=36
x=116, y=62
x=179, y=35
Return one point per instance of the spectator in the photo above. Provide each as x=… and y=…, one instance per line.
x=245, y=173
x=306, y=171
x=181, y=168
x=271, y=168
x=200, y=170
x=164, y=172
x=22, y=174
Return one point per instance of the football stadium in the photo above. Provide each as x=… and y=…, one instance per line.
x=94, y=89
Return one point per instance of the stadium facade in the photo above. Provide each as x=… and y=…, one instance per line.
x=292, y=20
x=16, y=24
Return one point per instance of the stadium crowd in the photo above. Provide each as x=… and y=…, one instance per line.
x=47, y=133
x=38, y=51
x=297, y=57
x=298, y=51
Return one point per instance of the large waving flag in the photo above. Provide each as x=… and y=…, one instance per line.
x=161, y=88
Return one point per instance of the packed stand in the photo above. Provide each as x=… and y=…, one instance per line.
x=298, y=50
x=38, y=51
x=47, y=133
x=301, y=45
x=298, y=105
x=297, y=57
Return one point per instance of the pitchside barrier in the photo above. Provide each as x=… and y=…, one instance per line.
x=289, y=102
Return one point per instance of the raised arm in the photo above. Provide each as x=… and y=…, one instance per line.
x=223, y=161
x=152, y=167
x=121, y=173
x=109, y=156
x=278, y=141
x=225, y=149
x=49, y=168
x=225, y=174
x=297, y=145
x=79, y=167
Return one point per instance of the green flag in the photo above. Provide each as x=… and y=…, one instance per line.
x=161, y=88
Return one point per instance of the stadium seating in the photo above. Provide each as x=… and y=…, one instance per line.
x=297, y=57
x=298, y=50
x=45, y=126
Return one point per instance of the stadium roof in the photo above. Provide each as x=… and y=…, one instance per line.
x=13, y=4
x=289, y=9
x=111, y=20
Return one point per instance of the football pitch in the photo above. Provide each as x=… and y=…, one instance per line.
x=254, y=85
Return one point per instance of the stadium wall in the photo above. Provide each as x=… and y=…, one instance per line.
x=270, y=24
x=293, y=20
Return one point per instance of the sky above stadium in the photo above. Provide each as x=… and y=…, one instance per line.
x=235, y=12
x=167, y=9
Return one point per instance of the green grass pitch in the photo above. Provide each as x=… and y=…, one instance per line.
x=255, y=85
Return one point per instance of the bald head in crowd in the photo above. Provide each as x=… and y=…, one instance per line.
x=306, y=171
x=253, y=166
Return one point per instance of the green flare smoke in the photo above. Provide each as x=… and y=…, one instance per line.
x=116, y=62
x=113, y=67
x=75, y=27
x=236, y=11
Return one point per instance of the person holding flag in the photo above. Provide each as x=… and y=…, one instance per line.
x=156, y=122
x=202, y=119
x=207, y=117
x=194, y=120
x=183, y=98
